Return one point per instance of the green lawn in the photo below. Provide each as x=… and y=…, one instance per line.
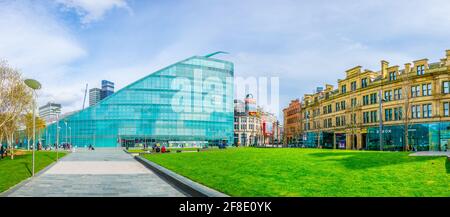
x=14, y=171
x=312, y=172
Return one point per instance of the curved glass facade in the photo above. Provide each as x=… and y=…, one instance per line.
x=189, y=103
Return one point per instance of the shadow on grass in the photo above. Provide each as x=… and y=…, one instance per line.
x=447, y=165
x=364, y=160
x=27, y=166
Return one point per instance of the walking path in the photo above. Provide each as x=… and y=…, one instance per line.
x=431, y=153
x=102, y=173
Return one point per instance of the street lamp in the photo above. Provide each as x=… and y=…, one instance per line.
x=65, y=123
x=34, y=85
x=70, y=135
x=57, y=139
x=382, y=99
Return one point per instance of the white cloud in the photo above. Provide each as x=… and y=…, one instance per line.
x=35, y=43
x=93, y=10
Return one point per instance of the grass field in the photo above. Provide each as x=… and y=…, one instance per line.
x=14, y=171
x=312, y=172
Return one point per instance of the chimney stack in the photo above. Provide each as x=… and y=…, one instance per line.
x=447, y=52
x=384, y=66
x=407, y=68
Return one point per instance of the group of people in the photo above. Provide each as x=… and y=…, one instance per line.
x=157, y=149
x=90, y=147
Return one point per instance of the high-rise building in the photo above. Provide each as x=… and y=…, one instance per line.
x=94, y=96
x=391, y=109
x=107, y=89
x=189, y=103
x=49, y=111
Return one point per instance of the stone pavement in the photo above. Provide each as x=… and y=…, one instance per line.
x=431, y=153
x=102, y=173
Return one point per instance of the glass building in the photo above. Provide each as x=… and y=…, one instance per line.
x=189, y=104
x=422, y=137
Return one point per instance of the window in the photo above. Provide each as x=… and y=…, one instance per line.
x=445, y=87
x=388, y=95
x=427, y=111
x=366, y=100
x=343, y=105
x=426, y=89
x=392, y=76
x=388, y=114
x=329, y=109
x=446, y=113
x=353, y=102
x=398, y=113
x=398, y=94
x=338, y=121
x=338, y=106
x=420, y=70
x=324, y=110
x=343, y=88
x=415, y=91
x=366, y=117
x=353, y=85
x=373, y=116
x=373, y=98
x=415, y=111
x=363, y=82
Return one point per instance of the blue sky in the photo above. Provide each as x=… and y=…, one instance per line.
x=68, y=43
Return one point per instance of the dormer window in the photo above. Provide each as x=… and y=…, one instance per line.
x=420, y=69
x=392, y=76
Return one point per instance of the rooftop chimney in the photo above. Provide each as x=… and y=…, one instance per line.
x=384, y=66
x=407, y=68
x=447, y=52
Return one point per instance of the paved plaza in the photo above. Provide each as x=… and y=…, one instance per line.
x=103, y=173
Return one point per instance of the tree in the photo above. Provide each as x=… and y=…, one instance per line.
x=353, y=123
x=15, y=99
x=28, y=122
x=407, y=100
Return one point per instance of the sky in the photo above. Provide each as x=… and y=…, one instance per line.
x=67, y=43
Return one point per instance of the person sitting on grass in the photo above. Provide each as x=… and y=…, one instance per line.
x=163, y=149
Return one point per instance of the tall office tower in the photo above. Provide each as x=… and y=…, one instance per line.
x=107, y=89
x=94, y=96
x=49, y=111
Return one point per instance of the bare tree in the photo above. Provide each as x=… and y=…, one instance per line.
x=28, y=122
x=407, y=100
x=15, y=99
x=353, y=123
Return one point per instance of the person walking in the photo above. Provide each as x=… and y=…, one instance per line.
x=2, y=151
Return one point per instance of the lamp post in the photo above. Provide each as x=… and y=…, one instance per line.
x=57, y=139
x=382, y=99
x=70, y=135
x=34, y=85
x=57, y=132
x=65, y=123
